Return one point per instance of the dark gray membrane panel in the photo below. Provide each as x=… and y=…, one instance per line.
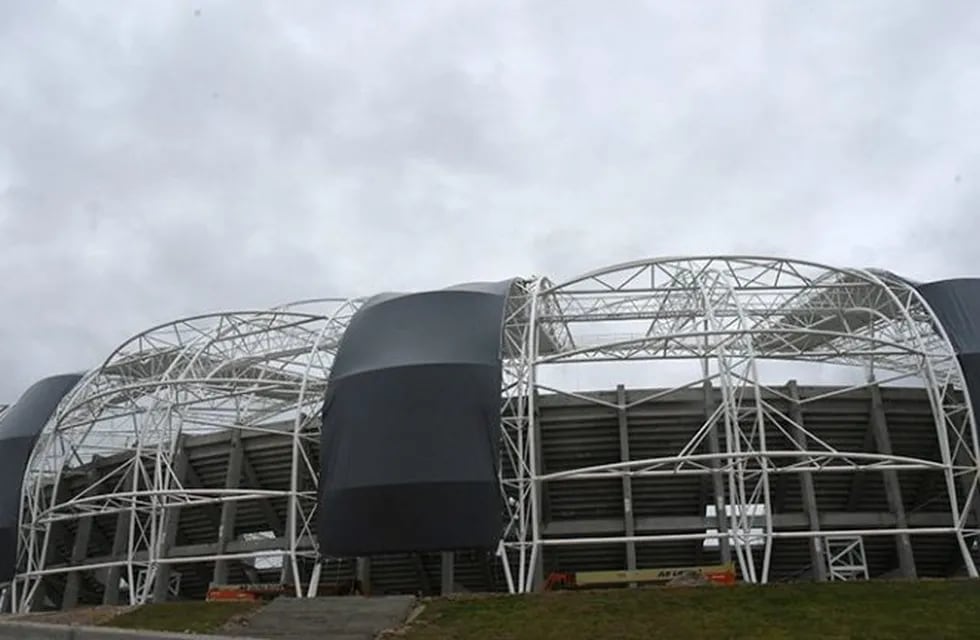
x=20, y=427
x=956, y=304
x=409, y=456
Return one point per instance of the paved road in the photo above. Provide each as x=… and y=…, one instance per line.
x=346, y=618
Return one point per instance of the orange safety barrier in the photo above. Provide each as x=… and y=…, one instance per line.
x=244, y=592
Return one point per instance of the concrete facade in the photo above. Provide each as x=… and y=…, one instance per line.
x=575, y=433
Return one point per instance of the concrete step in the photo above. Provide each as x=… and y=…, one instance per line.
x=333, y=618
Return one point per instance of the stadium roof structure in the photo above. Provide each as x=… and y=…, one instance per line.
x=638, y=413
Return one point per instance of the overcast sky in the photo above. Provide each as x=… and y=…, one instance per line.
x=159, y=159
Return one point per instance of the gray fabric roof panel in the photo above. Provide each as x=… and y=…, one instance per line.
x=419, y=329
x=956, y=304
x=409, y=447
x=20, y=427
x=970, y=365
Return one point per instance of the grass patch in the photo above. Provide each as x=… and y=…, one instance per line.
x=190, y=617
x=872, y=610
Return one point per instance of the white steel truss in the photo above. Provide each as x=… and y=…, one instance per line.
x=846, y=560
x=732, y=314
x=262, y=371
x=729, y=317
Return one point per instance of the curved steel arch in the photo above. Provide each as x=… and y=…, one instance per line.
x=727, y=313
x=268, y=366
x=895, y=318
x=746, y=259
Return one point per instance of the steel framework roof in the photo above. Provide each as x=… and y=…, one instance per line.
x=194, y=433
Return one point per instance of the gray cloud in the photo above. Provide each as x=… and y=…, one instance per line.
x=165, y=159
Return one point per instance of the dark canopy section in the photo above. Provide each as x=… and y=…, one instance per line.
x=408, y=456
x=20, y=427
x=956, y=304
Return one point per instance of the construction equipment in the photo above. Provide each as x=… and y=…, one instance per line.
x=245, y=592
x=721, y=574
x=252, y=592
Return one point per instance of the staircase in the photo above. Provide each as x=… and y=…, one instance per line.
x=334, y=618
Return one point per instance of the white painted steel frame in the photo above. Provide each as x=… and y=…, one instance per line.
x=731, y=313
x=846, y=559
x=266, y=371
x=262, y=371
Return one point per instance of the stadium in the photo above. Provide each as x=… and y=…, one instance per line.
x=801, y=421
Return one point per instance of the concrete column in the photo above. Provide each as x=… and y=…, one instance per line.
x=268, y=511
x=624, y=456
x=47, y=593
x=717, y=479
x=78, y=552
x=447, y=573
x=83, y=534
x=893, y=490
x=286, y=573
x=363, y=573
x=705, y=493
x=229, y=508
x=119, y=547
x=171, y=518
x=487, y=564
x=817, y=557
x=424, y=583
x=859, y=479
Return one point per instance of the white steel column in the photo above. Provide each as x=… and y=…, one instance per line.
x=624, y=455
x=170, y=520
x=717, y=479
x=807, y=488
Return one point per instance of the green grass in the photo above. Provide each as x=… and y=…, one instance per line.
x=192, y=617
x=868, y=610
